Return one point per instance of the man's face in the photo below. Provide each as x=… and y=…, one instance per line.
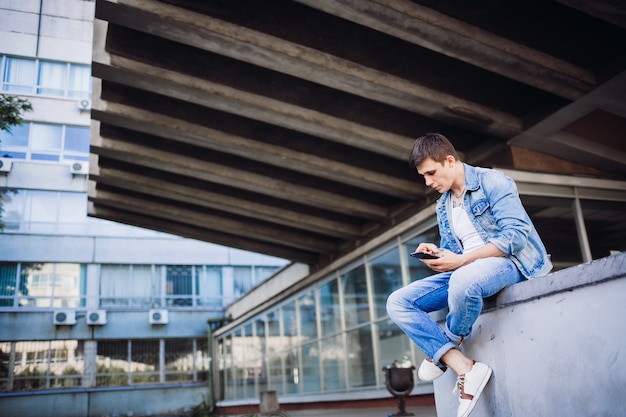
x=437, y=175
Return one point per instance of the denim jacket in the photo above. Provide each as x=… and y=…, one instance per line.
x=494, y=208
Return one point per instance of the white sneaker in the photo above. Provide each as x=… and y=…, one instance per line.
x=470, y=387
x=428, y=371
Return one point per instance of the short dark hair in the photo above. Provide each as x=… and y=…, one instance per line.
x=432, y=145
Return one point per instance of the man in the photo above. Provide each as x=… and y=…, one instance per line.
x=487, y=243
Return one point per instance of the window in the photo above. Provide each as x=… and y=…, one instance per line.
x=386, y=278
x=129, y=285
x=51, y=79
x=356, y=303
x=137, y=362
x=18, y=76
x=329, y=307
x=47, y=78
x=41, y=365
x=46, y=142
x=8, y=284
x=49, y=285
x=76, y=140
x=179, y=284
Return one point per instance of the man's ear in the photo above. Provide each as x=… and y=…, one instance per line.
x=450, y=159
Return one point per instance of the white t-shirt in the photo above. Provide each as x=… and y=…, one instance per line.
x=463, y=228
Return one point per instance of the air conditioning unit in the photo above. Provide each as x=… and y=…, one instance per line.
x=158, y=316
x=84, y=104
x=5, y=164
x=96, y=317
x=79, y=168
x=64, y=317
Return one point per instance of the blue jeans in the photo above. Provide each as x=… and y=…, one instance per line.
x=462, y=291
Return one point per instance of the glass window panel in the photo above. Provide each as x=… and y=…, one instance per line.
x=246, y=360
x=46, y=137
x=274, y=338
x=238, y=357
x=356, y=305
x=330, y=310
x=44, y=157
x=51, y=80
x=242, y=280
x=209, y=286
x=79, y=81
x=386, y=278
x=417, y=268
x=19, y=75
x=69, y=285
x=43, y=206
x=554, y=220
x=276, y=373
x=12, y=203
x=112, y=365
x=179, y=360
x=333, y=363
x=361, y=369
x=18, y=137
x=66, y=363
x=30, y=371
x=308, y=320
x=393, y=344
x=135, y=285
x=292, y=372
x=144, y=359
x=77, y=139
x=290, y=328
x=178, y=282
x=310, y=377
x=605, y=223
x=202, y=359
x=5, y=365
x=38, y=279
x=8, y=283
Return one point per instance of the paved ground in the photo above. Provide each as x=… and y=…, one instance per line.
x=368, y=412
x=418, y=411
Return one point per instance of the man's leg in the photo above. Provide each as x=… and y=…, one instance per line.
x=408, y=308
x=469, y=285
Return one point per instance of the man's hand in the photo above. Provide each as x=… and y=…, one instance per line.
x=447, y=261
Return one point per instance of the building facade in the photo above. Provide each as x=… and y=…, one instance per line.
x=90, y=308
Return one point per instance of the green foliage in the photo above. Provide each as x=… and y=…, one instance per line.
x=202, y=410
x=11, y=109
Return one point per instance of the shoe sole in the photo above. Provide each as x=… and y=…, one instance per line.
x=478, y=393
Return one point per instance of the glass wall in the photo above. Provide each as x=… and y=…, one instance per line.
x=334, y=336
x=341, y=337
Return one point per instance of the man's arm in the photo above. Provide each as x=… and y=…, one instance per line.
x=449, y=261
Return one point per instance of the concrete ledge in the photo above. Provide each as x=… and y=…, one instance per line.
x=555, y=345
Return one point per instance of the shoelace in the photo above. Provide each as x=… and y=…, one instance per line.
x=460, y=384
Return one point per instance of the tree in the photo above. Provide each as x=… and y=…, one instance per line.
x=11, y=110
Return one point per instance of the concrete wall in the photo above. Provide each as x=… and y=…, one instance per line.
x=556, y=346
x=85, y=403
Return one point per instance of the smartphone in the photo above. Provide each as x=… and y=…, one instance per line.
x=422, y=255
